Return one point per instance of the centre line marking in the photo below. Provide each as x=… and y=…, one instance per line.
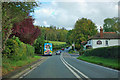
x=75, y=69
x=71, y=69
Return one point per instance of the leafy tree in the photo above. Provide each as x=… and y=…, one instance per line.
x=83, y=28
x=26, y=31
x=70, y=37
x=39, y=43
x=13, y=12
x=111, y=25
x=53, y=34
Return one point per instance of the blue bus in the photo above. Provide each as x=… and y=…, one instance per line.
x=48, y=49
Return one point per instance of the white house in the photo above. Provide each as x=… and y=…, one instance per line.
x=103, y=40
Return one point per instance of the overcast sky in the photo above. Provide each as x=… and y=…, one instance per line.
x=65, y=14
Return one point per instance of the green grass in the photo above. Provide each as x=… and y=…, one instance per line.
x=56, y=42
x=10, y=65
x=112, y=63
x=71, y=52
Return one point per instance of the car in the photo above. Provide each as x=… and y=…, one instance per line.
x=62, y=49
x=58, y=52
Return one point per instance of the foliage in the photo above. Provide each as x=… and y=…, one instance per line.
x=30, y=50
x=70, y=37
x=39, y=43
x=111, y=25
x=11, y=48
x=106, y=52
x=17, y=50
x=13, y=12
x=26, y=31
x=9, y=65
x=58, y=46
x=84, y=28
x=53, y=34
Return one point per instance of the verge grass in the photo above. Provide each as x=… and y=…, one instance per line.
x=11, y=65
x=108, y=62
x=56, y=42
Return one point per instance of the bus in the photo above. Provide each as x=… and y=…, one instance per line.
x=48, y=49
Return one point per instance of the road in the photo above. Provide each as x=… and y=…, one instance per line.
x=66, y=66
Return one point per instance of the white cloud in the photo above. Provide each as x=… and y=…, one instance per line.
x=44, y=22
x=65, y=14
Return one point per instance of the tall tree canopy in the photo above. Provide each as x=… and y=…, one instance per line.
x=83, y=29
x=13, y=12
x=70, y=37
x=26, y=31
x=111, y=25
x=53, y=34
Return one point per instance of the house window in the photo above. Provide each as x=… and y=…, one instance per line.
x=99, y=42
x=106, y=42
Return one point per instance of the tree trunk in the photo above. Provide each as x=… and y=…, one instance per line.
x=6, y=38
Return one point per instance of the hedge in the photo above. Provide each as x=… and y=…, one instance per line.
x=17, y=50
x=58, y=46
x=106, y=52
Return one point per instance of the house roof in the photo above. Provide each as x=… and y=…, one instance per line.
x=106, y=35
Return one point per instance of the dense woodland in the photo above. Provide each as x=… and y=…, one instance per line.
x=54, y=34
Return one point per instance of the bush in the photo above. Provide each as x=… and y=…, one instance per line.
x=106, y=52
x=17, y=50
x=30, y=50
x=11, y=48
x=58, y=46
x=38, y=45
x=77, y=46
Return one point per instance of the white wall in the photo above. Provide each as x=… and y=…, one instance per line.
x=111, y=42
x=89, y=43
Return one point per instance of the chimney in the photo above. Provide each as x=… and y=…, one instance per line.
x=101, y=32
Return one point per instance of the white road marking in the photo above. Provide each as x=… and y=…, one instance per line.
x=99, y=66
x=71, y=69
x=27, y=72
x=32, y=69
x=75, y=69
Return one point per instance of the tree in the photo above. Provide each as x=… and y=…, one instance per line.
x=13, y=12
x=39, y=43
x=70, y=37
x=111, y=25
x=53, y=34
x=26, y=31
x=83, y=29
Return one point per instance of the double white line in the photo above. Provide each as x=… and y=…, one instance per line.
x=73, y=69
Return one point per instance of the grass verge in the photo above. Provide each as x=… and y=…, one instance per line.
x=107, y=62
x=56, y=42
x=11, y=65
x=73, y=52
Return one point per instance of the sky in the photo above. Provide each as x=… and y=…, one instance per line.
x=66, y=13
